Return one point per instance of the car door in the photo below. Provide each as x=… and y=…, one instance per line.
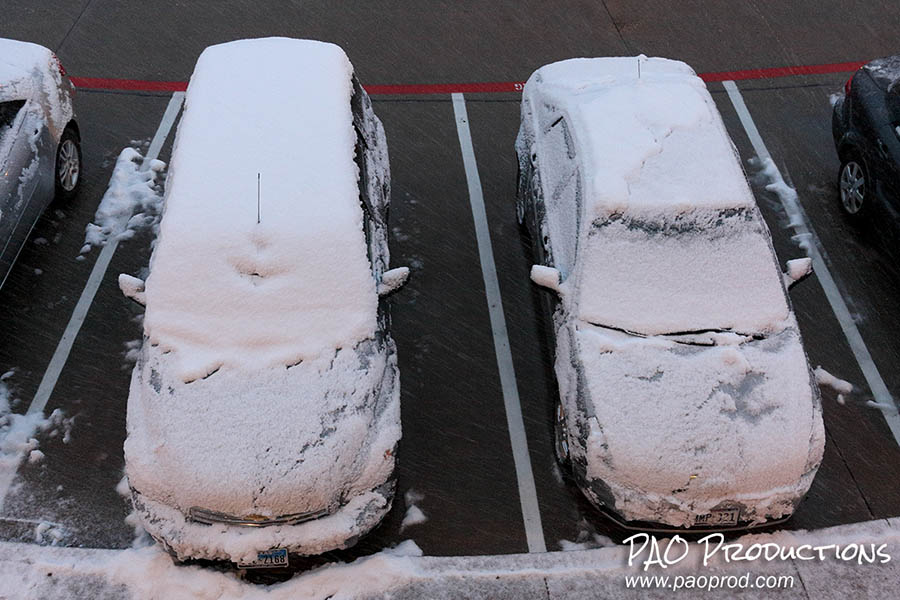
x=890, y=141
x=21, y=146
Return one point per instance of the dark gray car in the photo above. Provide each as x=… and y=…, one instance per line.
x=865, y=125
x=40, y=146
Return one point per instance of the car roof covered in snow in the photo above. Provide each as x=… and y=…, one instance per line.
x=648, y=134
x=267, y=119
x=21, y=63
x=885, y=71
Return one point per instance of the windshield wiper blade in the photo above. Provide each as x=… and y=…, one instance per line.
x=755, y=336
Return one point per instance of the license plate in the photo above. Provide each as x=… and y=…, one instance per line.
x=719, y=518
x=277, y=557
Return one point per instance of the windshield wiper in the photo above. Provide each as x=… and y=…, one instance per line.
x=676, y=334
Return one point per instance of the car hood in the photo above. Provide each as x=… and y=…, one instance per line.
x=691, y=424
x=264, y=443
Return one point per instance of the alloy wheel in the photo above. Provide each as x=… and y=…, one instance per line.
x=853, y=187
x=69, y=165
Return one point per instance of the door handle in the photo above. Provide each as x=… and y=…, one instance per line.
x=882, y=149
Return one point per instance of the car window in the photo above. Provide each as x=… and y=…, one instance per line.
x=562, y=192
x=360, y=158
x=8, y=112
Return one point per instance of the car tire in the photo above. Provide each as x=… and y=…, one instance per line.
x=67, y=174
x=855, y=186
x=560, y=439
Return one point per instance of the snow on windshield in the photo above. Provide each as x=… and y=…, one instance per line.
x=710, y=270
x=298, y=283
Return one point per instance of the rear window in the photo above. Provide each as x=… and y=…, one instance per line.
x=886, y=72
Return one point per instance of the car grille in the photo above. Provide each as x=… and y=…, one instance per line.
x=211, y=517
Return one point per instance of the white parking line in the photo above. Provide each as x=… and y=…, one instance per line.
x=64, y=347
x=534, y=531
x=801, y=224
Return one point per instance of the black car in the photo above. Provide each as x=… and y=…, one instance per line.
x=866, y=129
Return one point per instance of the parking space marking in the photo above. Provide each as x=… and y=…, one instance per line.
x=531, y=515
x=64, y=347
x=814, y=249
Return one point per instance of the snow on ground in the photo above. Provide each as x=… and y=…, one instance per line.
x=28, y=571
x=594, y=541
x=586, y=539
x=19, y=432
x=131, y=201
x=141, y=537
x=49, y=533
x=824, y=378
x=414, y=514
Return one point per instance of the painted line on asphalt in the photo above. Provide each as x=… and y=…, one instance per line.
x=531, y=514
x=814, y=249
x=488, y=87
x=64, y=347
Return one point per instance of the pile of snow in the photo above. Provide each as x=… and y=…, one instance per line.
x=18, y=432
x=49, y=533
x=131, y=201
x=824, y=378
x=267, y=119
x=414, y=514
x=149, y=573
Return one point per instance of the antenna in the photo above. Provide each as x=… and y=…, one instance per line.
x=639, y=66
x=257, y=198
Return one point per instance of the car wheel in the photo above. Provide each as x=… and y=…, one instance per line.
x=68, y=164
x=560, y=438
x=855, y=186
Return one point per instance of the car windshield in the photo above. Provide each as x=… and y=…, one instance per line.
x=700, y=271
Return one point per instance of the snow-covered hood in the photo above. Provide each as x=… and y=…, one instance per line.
x=272, y=442
x=689, y=426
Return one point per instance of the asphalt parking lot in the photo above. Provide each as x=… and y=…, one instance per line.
x=456, y=451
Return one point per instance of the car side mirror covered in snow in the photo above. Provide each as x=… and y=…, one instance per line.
x=546, y=277
x=797, y=270
x=392, y=280
x=132, y=287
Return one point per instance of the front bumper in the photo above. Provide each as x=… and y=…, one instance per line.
x=186, y=539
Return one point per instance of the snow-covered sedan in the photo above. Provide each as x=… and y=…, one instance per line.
x=40, y=146
x=264, y=410
x=686, y=398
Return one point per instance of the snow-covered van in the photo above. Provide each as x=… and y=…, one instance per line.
x=264, y=410
x=686, y=397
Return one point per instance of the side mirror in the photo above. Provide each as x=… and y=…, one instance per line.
x=546, y=277
x=132, y=287
x=797, y=270
x=392, y=280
